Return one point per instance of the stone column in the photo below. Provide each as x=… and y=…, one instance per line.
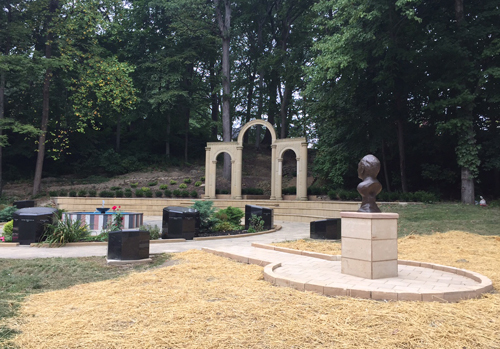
x=369, y=244
x=234, y=180
x=213, y=177
x=238, y=173
x=207, y=173
x=302, y=181
x=273, y=172
x=278, y=180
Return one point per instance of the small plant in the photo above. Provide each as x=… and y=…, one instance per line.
x=176, y=193
x=149, y=194
x=106, y=194
x=92, y=193
x=163, y=186
x=65, y=230
x=145, y=189
x=6, y=213
x=7, y=230
x=184, y=194
x=256, y=224
x=139, y=193
x=128, y=193
x=231, y=214
x=82, y=193
x=224, y=226
x=187, y=180
x=207, y=211
x=193, y=194
x=134, y=185
x=53, y=193
x=115, y=188
x=119, y=193
x=154, y=232
x=183, y=186
x=197, y=183
x=72, y=193
x=63, y=192
x=152, y=184
x=168, y=193
x=172, y=182
x=158, y=194
x=202, y=179
x=117, y=222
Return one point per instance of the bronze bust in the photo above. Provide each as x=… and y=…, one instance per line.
x=368, y=169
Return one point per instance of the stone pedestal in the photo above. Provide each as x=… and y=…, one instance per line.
x=369, y=244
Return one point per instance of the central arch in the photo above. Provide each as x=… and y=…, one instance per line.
x=235, y=149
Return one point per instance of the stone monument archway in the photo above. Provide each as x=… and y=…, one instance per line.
x=235, y=150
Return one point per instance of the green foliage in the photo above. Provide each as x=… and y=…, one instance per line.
x=128, y=193
x=163, y=186
x=187, y=180
x=139, y=193
x=92, y=193
x=7, y=230
x=152, y=184
x=134, y=185
x=197, y=183
x=344, y=195
x=154, y=231
x=207, y=214
x=202, y=179
x=230, y=214
x=182, y=186
x=63, y=231
x=115, y=188
x=63, y=192
x=176, y=193
x=119, y=193
x=72, y=193
x=172, y=182
x=313, y=190
x=158, y=193
x=53, y=193
x=148, y=194
x=193, y=194
x=82, y=193
x=184, y=194
x=255, y=224
x=168, y=193
x=6, y=213
x=106, y=194
x=289, y=191
x=224, y=226
x=252, y=191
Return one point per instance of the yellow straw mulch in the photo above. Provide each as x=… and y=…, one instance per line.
x=207, y=301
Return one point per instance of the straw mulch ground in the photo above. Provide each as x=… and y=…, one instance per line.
x=211, y=302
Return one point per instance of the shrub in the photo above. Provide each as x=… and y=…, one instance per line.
x=184, y=194
x=197, y=183
x=176, y=193
x=187, y=180
x=53, y=193
x=128, y=194
x=221, y=191
x=64, y=231
x=63, y=192
x=426, y=197
x=224, y=226
x=163, y=186
x=183, y=186
x=92, y=193
x=202, y=179
x=149, y=194
x=6, y=213
x=139, y=193
x=154, y=232
x=152, y=184
x=158, y=194
x=316, y=190
x=106, y=194
x=119, y=193
x=7, y=230
x=82, y=193
x=134, y=185
x=255, y=224
x=145, y=189
x=72, y=193
x=193, y=194
x=206, y=210
x=172, y=182
x=115, y=188
x=231, y=214
x=252, y=191
x=289, y=191
x=168, y=193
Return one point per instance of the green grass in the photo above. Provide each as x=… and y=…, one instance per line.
x=22, y=277
x=431, y=218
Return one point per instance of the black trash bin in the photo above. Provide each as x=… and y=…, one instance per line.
x=24, y=203
x=29, y=224
x=128, y=245
x=180, y=223
x=267, y=215
x=327, y=229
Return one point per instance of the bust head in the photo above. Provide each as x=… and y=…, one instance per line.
x=369, y=166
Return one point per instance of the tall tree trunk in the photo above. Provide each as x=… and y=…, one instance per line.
x=467, y=186
x=2, y=106
x=287, y=95
x=402, y=156
x=54, y=4
x=248, y=116
x=224, y=23
x=214, y=97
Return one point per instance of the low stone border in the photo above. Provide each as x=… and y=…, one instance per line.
x=129, y=262
x=9, y=244
x=276, y=228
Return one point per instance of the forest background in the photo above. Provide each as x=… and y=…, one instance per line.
x=108, y=87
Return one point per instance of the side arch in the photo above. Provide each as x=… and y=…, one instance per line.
x=257, y=122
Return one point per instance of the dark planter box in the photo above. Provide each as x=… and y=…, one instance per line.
x=180, y=223
x=128, y=245
x=267, y=215
x=327, y=229
x=29, y=224
x=24, y=203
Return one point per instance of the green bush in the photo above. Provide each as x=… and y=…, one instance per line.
x=6, y=213
x=207, y=211
x=183, y=186
x=221, y=191
x=231, y=214
x=426, y=197
x=149, y=194
x=224, y=226
x=63, y=192
x=154, y=232
x=255, y=224
x=64, y=231
x=134, y=185
x=53, y=193
x=252, y=191
x=106, y=194
x=139, y=193
x=184, y=194
x=158, y=194
x=72, y=193
x=145, y=189
x=119, y=193
x=289, y=191
x=7, y=230
x=152, y=184
x=176, y=193
x=193, y=194
x=163, y=186
x=82, y=193
x=202, y=179
x=316, y=190
x=115, y=188
x=168, y=193
x=187, y=180
x=197, y=183
x=92, y=193
x=128, y=194
x=172, y=182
